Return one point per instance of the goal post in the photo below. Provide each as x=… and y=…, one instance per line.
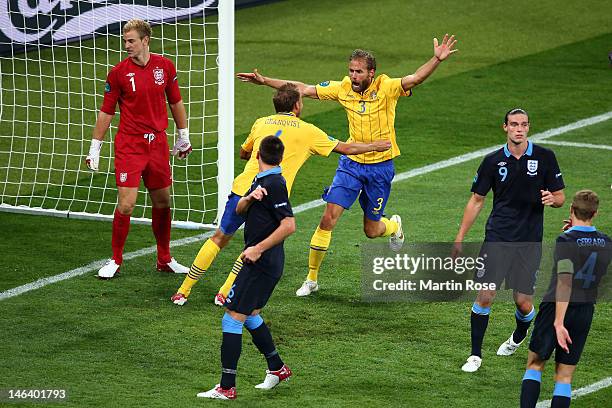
x=54, y=58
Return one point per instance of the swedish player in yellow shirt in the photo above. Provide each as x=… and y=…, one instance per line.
x=302, y=140
x=369, y=103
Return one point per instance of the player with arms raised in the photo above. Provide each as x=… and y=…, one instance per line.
x=302, y=140
x=141, y=84
x=369, y=103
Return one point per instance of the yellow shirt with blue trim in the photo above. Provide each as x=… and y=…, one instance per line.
x=371, y=114
x=301, y=139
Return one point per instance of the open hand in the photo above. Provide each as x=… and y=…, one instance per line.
x=563, y=338
x=444, y=50
x=253, y=77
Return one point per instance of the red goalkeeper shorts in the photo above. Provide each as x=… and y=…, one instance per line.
x=145, y=156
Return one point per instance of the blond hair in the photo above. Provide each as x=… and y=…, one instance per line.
x=585, y=204
x=140, y=26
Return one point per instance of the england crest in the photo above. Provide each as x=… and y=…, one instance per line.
x=158, y=75
x=532, y=167
x=123, y=177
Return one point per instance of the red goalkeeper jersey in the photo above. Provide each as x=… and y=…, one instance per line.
x=141, y=93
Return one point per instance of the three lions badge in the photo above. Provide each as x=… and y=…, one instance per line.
x=158, y=75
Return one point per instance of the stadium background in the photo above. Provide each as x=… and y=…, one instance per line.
x=123, y=343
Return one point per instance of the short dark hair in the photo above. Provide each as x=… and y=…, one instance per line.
x=271, y=150
x=515, y=111
x=286, y=97
x=367, y=56
x=585, y=204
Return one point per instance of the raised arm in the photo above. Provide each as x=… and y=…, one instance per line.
x=256, y=78
x=441, y=52
x=358, y=148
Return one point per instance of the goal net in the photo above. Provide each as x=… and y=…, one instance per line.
x=54, y=58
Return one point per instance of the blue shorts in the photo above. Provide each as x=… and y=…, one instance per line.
x=371, y=182
x=231, y=221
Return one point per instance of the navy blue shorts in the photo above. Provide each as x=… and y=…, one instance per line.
x=254, y=285
x=577, y=321
x=231, y=221
x=516, y=263
x=371, y=182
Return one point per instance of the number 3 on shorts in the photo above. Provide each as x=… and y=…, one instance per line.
x=380, y=203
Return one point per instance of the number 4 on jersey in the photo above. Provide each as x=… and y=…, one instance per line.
x=586, y=273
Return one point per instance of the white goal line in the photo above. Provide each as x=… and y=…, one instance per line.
x=302, y=207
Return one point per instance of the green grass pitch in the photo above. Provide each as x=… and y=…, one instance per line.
x=122, y=343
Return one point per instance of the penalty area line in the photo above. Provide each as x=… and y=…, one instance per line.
x=538, y=137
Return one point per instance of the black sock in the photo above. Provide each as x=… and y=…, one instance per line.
x=262, y=338
x=530, y=388
x=530, y=392
x=230, y=353
x=560, y=402
x=562, y=395
x=522, y=325
x=478, y=323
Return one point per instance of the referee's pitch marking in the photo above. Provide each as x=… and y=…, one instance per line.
x=538, y=137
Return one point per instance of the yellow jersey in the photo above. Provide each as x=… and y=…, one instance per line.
x=371, y=114
x=301, y=139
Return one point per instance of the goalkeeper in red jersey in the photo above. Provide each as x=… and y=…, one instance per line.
x=141, y=84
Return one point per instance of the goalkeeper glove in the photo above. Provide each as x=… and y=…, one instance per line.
x=182, y=147
x=93, y=158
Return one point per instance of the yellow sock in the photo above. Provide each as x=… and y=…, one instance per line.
x=318, y=248
x=202, y=262
x=227, y=286
x=390, y=227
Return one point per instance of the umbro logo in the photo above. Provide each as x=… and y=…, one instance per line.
x=502, y=163
x=131, y=74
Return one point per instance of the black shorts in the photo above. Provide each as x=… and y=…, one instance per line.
x=577, y=321
x=252, y=289
x=516, y=263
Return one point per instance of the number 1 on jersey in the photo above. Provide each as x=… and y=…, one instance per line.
x=133, y=84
